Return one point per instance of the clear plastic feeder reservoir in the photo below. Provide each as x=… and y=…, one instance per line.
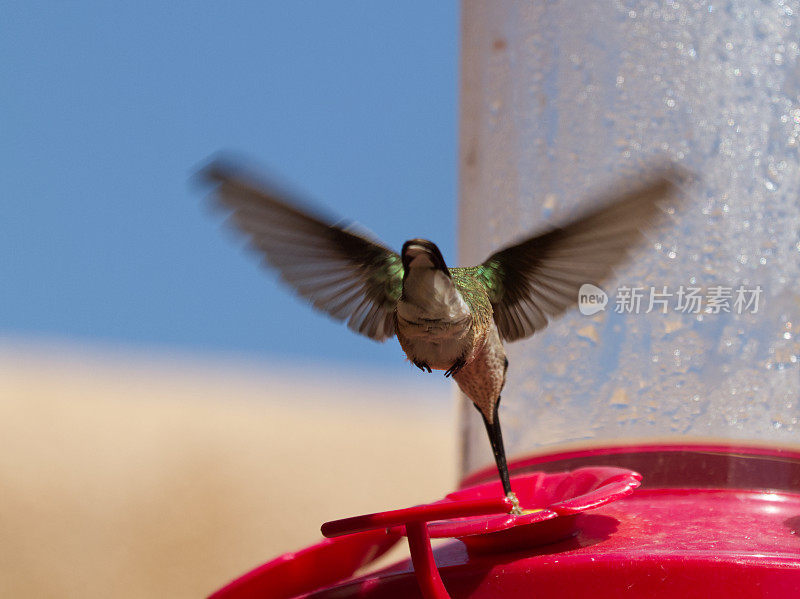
x=689, y=373
x=696, y=349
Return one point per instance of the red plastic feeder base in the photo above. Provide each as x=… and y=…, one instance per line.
x=676, y=537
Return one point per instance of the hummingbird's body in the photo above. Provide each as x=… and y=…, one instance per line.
x=439, y=320
x=451, y=319
x=445, y=323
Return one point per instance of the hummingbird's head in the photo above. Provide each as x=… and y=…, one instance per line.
x=421, y=253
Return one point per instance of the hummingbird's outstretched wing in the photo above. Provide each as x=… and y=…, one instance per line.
x=537, y=279
x=340, y=272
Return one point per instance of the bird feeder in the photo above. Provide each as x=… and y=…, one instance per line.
x=652, y=432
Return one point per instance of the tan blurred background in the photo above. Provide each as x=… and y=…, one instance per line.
x=132, y=474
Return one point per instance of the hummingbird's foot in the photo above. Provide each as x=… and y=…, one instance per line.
x=516, y=510
x=456, y=367
x=423, y=366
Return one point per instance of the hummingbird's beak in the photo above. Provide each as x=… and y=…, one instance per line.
x=496, y=439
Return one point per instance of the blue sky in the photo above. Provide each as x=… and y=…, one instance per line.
x=108, y=110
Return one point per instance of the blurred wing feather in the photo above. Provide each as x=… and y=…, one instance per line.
x=340, y=272
x=537, y=279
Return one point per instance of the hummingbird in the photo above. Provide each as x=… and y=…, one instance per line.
x=451, y=319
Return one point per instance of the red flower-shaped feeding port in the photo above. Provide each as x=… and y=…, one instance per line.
x=550, y=503
x=479, y=516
